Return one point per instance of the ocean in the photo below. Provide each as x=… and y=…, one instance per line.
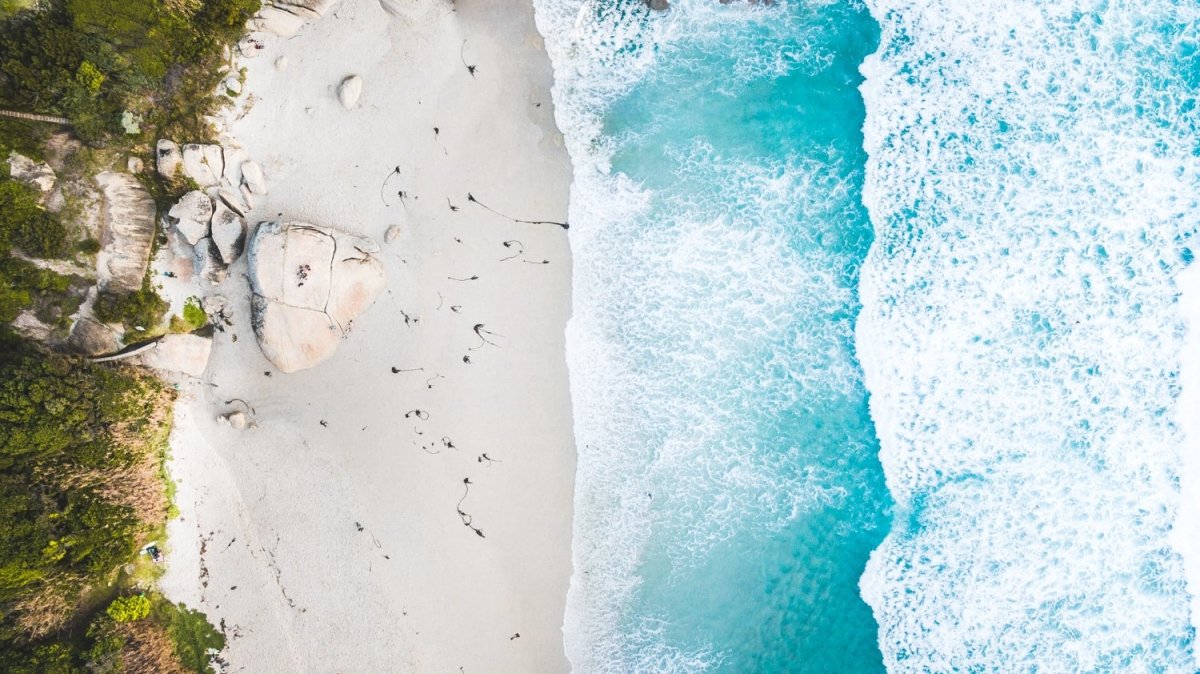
x=877, y=348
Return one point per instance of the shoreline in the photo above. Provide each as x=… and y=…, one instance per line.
x=339, y=546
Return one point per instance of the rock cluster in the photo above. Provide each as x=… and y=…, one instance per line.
x=210, y=221
x=308, y=283
x=216, y=232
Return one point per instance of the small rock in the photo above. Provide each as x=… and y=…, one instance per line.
x=169, y=158
x=233, y=84
x=237, y=420
x=214, y=304
x=392, y=233
x=281, y=63
x=135, y=165
x=191, y=216
x=659, y=5
x=252, y=177
x=350, y=90
x=247, y=198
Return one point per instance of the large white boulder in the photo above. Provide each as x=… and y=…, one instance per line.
x=187, y=354
x=309, y=285
x=191, y=216
x=350, y=90
x=169, y=158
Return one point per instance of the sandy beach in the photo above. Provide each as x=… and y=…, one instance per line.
x=328, y=537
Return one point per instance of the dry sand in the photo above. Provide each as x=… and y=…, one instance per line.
x=338, y=547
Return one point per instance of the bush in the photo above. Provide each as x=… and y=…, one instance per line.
x=89, y=246
x=129, y=609
x=140, y=309
x=191, y=633
x=26, y=225
x=22, y=285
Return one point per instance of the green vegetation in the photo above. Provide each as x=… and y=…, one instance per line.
x=92, y=60
x=24, y=224
x=82, y=482
x=129, y=609
x=81, y=490
x=194, y=317
x=139, y=311
x=52, y=297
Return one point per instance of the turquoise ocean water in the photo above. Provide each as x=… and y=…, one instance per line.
x=877, y=372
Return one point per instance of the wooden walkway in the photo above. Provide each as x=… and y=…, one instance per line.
x=49, y=119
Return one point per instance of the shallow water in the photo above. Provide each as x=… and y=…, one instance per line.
x=728, y=492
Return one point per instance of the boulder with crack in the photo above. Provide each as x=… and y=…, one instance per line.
x=308, y=283
x=203, y=163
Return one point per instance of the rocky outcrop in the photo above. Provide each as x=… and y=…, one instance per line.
x=38, y=175
x=285, y=17
x=185, y=354
x=350, y=90
x=127, y=232
x=93, y=338
x=309, y=283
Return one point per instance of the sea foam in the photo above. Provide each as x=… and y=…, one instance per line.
x=1033, y=184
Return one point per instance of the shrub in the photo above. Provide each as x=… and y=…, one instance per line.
x=129, y=609
x=89, y=246
x=193, y=636
x=26, y=225
x=142, y=308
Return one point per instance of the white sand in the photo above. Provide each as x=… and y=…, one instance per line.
x=276, y=506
